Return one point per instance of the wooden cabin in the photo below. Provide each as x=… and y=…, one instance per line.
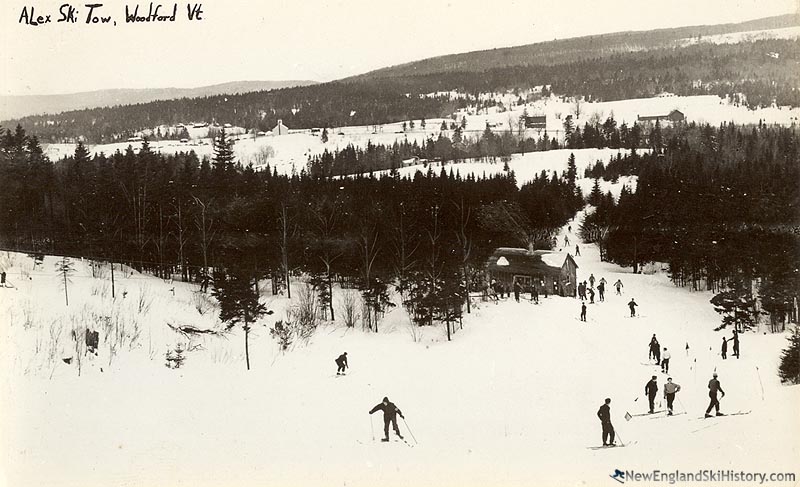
x=553, y=272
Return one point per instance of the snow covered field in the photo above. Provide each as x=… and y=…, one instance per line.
x=291, y=151
x=510, y=401
x=527, y=166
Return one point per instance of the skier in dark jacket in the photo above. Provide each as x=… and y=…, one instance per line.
x=735, y=343
x=650, y=390
x=341, y=361
x=724, y=348
x=654, y=347
x=583, y=311
x=517, y=290
x=714, y=387
x=601, y=290
x=591, y=296
x=390, y=413
x=604, y=413
x=632, y=305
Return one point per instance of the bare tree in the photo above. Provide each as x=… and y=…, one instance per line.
x=181, y=237
x=368, y=245
x=205, y=225
x=465, y=245
x=404, y=249
x=326, y=218
x=287, y=232
x=577, y=107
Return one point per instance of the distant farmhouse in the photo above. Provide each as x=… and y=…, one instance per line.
x=553, y=272
x=280, y=129
x=674, y=116
x=536, y=122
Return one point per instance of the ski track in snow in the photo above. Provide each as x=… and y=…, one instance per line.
x=510, y=401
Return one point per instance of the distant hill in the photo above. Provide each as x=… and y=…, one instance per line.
x=684, y=61
x=573, y=49
x=23, y=105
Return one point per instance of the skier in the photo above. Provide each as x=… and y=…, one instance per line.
x=591, y=281
x=619, y=286
x=632, y=305
x=654, y=347
x=3, y=279
x=204, y=282
x=714, y=387
x=582, y=290
x=577, y=251
x=650, y=391
x=534, y=294
x=341, y=361
x=390, y=413
x=735, y=343
x=670, y=388
x=583, y=311
x=601, y=289
x=566, y=240
x=604, y=413
x=591, y=296
x=517, y=290
x=724, y=348
x=665, y=361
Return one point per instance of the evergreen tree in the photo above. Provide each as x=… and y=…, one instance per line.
x=596, y=196
x=737, y=306
x=572, y=170
x=238, y=302
x=224, y=159
x=789, y=369
x=64, y=269
x=324, y=135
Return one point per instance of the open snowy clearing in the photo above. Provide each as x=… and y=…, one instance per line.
x=510, y=401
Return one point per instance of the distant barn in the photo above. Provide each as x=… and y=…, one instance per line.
x=536, y=122
x=280, y=129
x=673, y=117
x=554, y=272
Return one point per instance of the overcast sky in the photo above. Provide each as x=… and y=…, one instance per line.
x=309, y=39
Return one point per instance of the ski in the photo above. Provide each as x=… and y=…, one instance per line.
x=620, y=445
x=649, y=414
x=668, y=415
x=737, y=413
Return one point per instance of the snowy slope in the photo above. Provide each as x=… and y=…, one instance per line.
x=511, y=401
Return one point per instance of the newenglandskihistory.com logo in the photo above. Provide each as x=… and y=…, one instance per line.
x=704, y=475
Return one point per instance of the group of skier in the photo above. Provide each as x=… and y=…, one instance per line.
x=724, y=350
x=583, y=290
x=650, y=391
x=390, y=410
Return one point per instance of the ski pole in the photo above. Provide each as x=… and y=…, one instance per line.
x=621, y=442
x=681, y=403
x=371, y=427
x=409, y=430
x=761, y=383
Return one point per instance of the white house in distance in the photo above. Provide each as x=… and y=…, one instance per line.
x=280, y=129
